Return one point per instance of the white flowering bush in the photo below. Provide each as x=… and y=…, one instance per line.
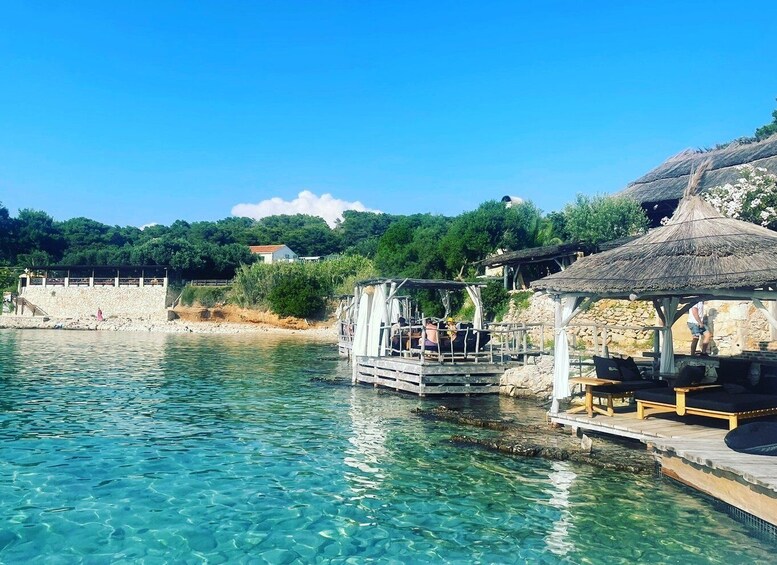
x=752, y=198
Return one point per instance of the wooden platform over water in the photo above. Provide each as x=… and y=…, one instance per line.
x=695, y=454
x=426, y=377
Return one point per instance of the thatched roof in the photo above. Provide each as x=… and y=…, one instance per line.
x=698, y=252
x=668, y=181
x=535, y=254
x=419, y=283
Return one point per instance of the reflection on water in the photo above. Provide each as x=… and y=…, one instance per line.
x=130, y=447
x=561, y=479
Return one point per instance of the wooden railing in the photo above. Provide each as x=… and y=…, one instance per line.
x=211, y=282
x=21, y=303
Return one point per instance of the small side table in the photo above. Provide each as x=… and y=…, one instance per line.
x=590, y=383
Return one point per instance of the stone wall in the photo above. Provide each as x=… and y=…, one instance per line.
x=141, y=303
x=737, y=326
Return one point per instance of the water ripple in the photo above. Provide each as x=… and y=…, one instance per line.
x=165, y=448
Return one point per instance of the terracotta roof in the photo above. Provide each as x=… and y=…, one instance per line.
x=265, y=248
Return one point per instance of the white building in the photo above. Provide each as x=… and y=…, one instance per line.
x=274, y=253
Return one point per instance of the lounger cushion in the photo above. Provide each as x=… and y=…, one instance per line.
x=629, y=386
x=733, y=371
x=607, y=368
x=767, y=384
x=712, y=399
x=722, y=401
x=664, y=395
x=690, y=375
x=757, y=438
x=628, y=368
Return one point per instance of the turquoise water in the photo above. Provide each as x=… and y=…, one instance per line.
x=189, y=448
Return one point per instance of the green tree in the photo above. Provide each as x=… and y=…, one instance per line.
x=7, y=236
x=594, y=219
x=37, y=236
x=83, y=233
x=474, y=235
x=360, y=231
x=767, y=130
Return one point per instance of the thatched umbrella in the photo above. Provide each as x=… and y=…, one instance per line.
x=698, y=254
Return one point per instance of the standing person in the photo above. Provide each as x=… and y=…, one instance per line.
x=99, y=315
x=698, y=328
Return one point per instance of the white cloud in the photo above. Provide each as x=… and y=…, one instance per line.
x=325, y=206
x=144, y=226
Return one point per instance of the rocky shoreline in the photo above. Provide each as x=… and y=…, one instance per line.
x=154, y=326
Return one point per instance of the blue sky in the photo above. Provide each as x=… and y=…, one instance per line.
x=147, y=112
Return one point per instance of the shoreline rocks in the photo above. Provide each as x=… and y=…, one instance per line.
x=155, y=326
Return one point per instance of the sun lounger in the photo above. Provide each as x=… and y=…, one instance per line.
x=629, y=380
x=712, y=401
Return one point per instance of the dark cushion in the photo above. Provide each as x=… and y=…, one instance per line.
x=629, y=386
x=607, y=368
x=722, y=401
x=665, y=395
x=757, y=438
x=690, y=375
x=767, y=385
x=733, y=388
x=628, y=368
x=733, y=371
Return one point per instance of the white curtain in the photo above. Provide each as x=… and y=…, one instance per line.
x=566, y=309
x=474, y=295
x=378, y=318
x=668, y=309
x=362, y=325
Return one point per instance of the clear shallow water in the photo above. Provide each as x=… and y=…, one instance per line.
x=157, y=448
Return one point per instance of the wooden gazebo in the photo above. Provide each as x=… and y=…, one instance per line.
x=556, y=257
x=699, y=254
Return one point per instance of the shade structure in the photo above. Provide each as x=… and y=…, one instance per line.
x=669, y=180
x=698, y=252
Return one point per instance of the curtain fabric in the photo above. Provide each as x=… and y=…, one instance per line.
x=566, y=309
x=377, y=319
x=474, y=296
x=668, y=307
x=362, y=325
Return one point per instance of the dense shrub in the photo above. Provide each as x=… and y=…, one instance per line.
x=265, y=286
x=495, y=300
x=297, y=294
x=205, y=296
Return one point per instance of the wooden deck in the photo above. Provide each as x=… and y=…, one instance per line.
x=695, y=454
x=425, y=377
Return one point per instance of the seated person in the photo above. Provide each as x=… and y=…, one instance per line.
x=399, y=334
x=430, y=330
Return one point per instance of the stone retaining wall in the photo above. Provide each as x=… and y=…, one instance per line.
x=737, y=326
x=141, y=303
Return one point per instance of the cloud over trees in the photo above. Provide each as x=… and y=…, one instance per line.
x=325, y=206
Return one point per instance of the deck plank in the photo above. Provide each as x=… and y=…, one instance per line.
x=674, y=439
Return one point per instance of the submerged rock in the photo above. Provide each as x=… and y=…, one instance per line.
x=539, y=439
